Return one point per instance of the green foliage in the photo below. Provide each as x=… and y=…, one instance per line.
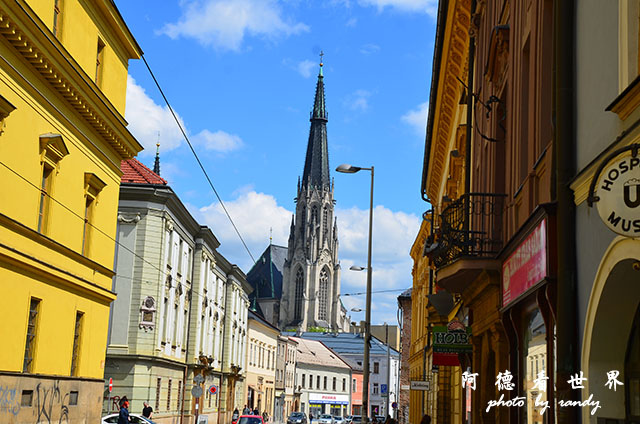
x=317, y=329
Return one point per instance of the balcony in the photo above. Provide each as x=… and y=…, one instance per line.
x=468, y=240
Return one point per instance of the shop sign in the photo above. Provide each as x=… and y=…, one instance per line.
x=420, y=385
x=319, y=398
x=452, y=338
x=618, y=193
x=526, y=266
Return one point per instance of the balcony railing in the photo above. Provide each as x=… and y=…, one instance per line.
x=471, y=226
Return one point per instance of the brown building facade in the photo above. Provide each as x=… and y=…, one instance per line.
x=489, y=175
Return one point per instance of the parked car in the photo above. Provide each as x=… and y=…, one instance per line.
x=297, y=418
x=250, y=419
x=347, y=419
x=356, y=419
x=380, y=419
x=325, y=419
x=338, y=419
x=135, y=418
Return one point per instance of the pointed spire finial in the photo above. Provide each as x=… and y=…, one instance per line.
x=156, y=164
x=321, y=64
x=270, y=235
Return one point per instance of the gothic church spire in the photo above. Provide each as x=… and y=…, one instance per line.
x=316, y=165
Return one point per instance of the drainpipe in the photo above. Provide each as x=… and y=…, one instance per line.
x=224, y=330
x=467, y=152
x=564, y=166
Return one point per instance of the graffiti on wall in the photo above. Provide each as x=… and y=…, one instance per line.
x=48, y=401
x=9, y=403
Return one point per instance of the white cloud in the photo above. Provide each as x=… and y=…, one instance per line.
x=370, y=48
x=253, y=214
x=393, y=235
x=218, y=141
x=147, y=119
x=358, y=100
x=150, y=123
x=352, y=22
x=223, y=24
x=430, y=7
x=417, y=117
x=305, y=67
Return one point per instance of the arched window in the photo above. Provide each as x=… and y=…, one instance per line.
x=299, y=293
x=325, y=221
x=314, y=214
x=323, y=295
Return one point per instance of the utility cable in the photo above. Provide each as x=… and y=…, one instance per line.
x=375, y=291
x=82, y=218
x=184, y=134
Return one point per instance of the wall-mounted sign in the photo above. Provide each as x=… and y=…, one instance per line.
x=526, y=266
x=319, y=398
x=618, y=193
x=420, y=385
x=452, y=338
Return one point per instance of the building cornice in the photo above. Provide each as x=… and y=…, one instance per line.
x=442, y=112
x=21, y=28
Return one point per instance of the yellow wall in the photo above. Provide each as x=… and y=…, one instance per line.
x=51, y=266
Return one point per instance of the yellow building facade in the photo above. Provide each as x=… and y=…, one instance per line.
x=63, y=75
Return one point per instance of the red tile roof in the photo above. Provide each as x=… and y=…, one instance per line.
x=135, y=172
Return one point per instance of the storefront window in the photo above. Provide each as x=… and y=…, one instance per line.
x=533, y=380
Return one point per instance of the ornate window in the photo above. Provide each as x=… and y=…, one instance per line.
x=323, y=295
x=314, y=215
x=325, y=221
x=299, y=293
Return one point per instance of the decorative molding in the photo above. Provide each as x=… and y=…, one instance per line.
x=133, y=220
x=5, y=109
x=52, y=147
x=92, y=184
x=628, y=101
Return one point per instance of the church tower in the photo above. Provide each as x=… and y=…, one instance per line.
x=311, y=273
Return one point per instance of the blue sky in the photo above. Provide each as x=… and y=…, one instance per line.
x=241, y=75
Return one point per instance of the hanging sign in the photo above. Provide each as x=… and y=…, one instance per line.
x=618, y=193
x=452, y=338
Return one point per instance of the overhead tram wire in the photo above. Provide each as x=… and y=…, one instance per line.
x=184, y=134
x=93, y=226
x=376, y=291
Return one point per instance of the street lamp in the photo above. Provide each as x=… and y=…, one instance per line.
x=356, y=310
x=349, y=169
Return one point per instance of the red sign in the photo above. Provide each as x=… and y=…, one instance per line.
x=526, y=266
x=450, y=359
x=213, y=390
x=110, y=384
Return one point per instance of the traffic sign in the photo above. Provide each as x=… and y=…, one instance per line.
x=213, y=389
x=196, y=391
x=110, y=384
x=383, y=389
x=198, y=379
x=394, y=405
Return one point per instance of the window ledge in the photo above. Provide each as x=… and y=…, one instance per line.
x=627, y=101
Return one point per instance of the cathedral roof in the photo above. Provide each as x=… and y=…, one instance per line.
x=316, y=165
x=266, y=274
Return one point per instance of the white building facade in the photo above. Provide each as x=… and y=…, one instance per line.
x=323, y=380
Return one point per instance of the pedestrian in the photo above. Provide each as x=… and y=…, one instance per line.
x=123, y=416
x=426, y=419
x=147, y=411
x=256, y=412
x=265, y=416
x=245, y=410
x=235, y=411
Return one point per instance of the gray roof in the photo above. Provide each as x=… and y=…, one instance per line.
x=349, y=343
